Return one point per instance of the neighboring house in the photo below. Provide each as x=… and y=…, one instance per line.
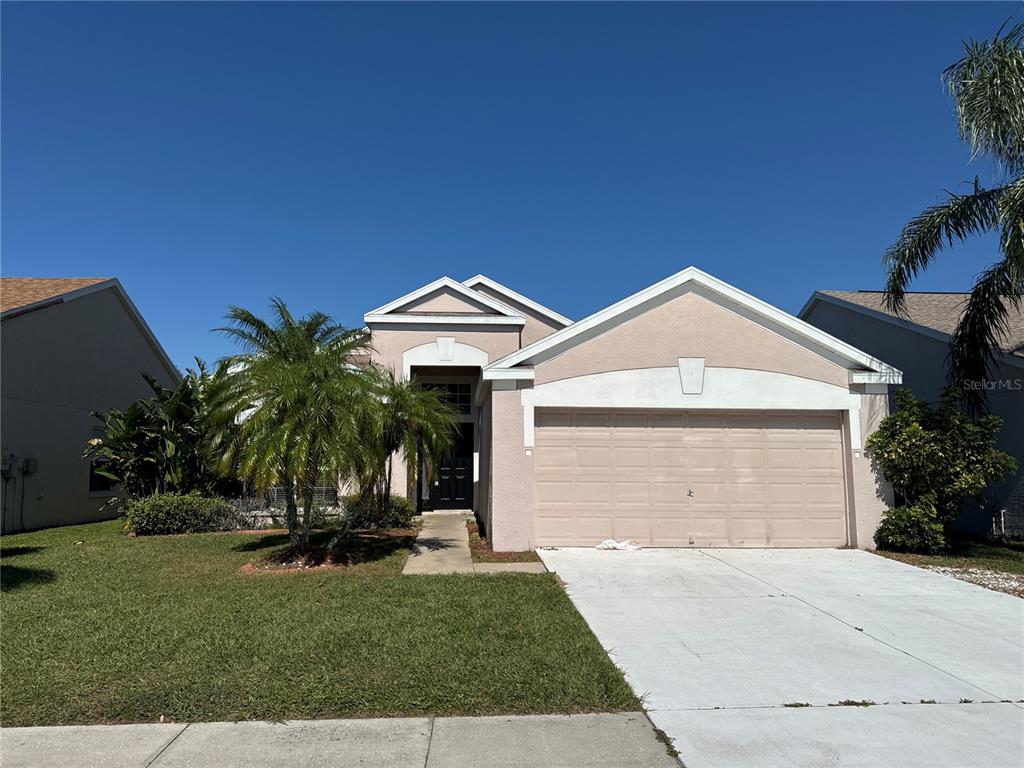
x=69, y=347
x=688, y=414
x=919, y=345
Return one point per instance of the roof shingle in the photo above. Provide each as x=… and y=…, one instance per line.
x=938, y=311
x=16, y=292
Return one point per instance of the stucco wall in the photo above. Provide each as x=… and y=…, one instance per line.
x=59, y=364
x=390, y=341
x=872, y=495
x=923, y=362
x=511, y=491
x=690, y=326
x=537, y=325
x=445, y=300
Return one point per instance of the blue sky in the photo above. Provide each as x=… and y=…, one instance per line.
x=340, y=155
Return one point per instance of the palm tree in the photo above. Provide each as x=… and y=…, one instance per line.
x=295, y=397
x=404, y=418
x=987, y=87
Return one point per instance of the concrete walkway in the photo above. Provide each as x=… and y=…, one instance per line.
x=623, y=740
x=442, y=546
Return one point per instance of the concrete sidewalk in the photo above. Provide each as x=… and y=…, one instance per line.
x=623, y=740
x=442, y=546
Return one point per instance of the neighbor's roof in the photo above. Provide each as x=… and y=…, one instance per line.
x=938, y=311
x=17, y=292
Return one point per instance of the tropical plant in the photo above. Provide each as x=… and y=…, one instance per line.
x=288, y=405
x=911, y=529
x=159, y=444
x=406, y=419
x=987, y=87
x=365, y=512
x=938, y=458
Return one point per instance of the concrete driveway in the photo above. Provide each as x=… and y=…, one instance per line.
x=723, y=644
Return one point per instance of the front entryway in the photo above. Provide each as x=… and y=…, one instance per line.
x=452, y=485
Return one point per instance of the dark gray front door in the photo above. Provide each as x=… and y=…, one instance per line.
x=452, y=487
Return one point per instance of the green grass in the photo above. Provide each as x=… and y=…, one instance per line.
x=101, y=628
x=1003, y=558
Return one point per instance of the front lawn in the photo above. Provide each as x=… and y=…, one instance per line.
x=996, y=566
x=101, y=628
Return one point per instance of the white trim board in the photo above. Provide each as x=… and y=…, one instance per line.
x=494, y=285
x=452, y=285
x=725, y=389
x=738, y=301
x=399, y=319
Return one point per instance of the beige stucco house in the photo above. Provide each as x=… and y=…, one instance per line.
x=688, y=414
x=69, y=347
x=918, y=343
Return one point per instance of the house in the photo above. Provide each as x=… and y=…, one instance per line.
x=918, y=344
x=70, y=346
x=688, y=414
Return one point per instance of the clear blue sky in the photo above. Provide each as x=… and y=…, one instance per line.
x=340, y=155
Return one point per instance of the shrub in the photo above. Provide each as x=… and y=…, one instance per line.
x=164, y=513
x=366, y=512
x=914, y=529
x=941, y=454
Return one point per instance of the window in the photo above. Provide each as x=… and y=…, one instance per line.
x=459, y=396
x=99, y=483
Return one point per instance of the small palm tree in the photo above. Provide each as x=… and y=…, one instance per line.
x=295, y=397
x=404, y=419
x=987, y=86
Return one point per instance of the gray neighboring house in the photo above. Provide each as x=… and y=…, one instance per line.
x=918, y=345
x=70, y=346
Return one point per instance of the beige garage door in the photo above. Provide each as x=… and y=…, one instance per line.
x=677, y=479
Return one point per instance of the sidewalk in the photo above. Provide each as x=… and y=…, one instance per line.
x=442, y=546
x=623, y=740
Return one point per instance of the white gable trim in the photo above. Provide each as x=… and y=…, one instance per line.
x=540, y=309
x=743, y=303
x=452, y=285
x=397, y=318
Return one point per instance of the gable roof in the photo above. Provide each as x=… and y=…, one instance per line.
x=22, y=295
x=497, y=287
x=939, y=312
x=742, y=303
x=391, y=312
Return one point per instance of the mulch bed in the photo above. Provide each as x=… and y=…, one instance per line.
x=481, y=552
x=358, y=547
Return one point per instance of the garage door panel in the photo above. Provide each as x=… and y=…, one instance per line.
x=675, y=478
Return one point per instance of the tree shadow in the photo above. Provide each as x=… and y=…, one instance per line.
x=263, y=542
x=21, y=549
x=355, y=548
x=14, y=577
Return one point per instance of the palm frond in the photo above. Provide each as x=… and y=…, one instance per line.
x=937, y=227
x=987, y=86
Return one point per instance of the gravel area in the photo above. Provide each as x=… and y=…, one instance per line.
x=1010, y=583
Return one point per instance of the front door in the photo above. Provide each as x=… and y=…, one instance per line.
x=452, y=484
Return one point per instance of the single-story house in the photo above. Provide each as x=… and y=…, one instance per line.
x=70, y=346
x=689, y=414
x=918, y=344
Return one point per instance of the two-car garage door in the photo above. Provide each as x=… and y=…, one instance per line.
x=690, y=478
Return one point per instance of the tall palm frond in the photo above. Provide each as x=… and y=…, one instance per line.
x=987, y=87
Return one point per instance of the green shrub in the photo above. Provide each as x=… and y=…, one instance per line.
x=366, y=513
x=164, y=513
x=940, y=455
x=914, y=529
